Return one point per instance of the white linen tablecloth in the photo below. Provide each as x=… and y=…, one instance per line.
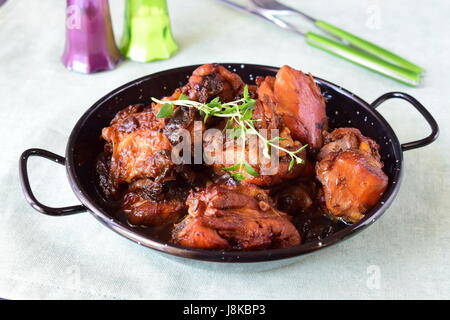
x=403, y=255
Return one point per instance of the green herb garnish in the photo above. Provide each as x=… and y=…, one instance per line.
x=165, y=111
x=240, y=113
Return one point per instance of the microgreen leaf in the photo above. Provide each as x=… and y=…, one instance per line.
x=247, y=105
x=249, y=169
x=238, y=176
x=300, y=149
x=233, y=167
x=229, y=110
x=165, y=111
x=277, y=139
x=291, y=164
x=183, y=97
x=248, y=114
x=215, y=104
x=246, y=96
x=236, y=132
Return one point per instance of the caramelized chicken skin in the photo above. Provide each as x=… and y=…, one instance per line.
x=300, y=103
x=266, y=105
x=230, y=217
x=139, y=148
x=343, y=139
x=351, y=174
x=212, y=80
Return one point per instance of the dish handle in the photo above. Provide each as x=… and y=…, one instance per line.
x=423, y=111
x=31, y=199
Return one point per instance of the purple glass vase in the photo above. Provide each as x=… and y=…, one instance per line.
x=90, y=45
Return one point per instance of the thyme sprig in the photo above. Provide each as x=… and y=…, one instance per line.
x=240, y=123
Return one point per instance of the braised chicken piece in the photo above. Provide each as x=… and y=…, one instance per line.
x=139, y=148
x=234, y=217
x=351, y=174
x=343, y=139
x=269, y=173
x=265, y=108
x=212, y=80
x=301, y=105
x=150, y=203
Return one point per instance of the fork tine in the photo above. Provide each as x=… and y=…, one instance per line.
x=278, y=8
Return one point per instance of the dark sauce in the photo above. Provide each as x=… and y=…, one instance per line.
x=303, y=201
x=312, y=223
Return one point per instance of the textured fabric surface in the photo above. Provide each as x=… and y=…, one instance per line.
x=403, y=255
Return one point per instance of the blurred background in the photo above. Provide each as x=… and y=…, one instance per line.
x=40, y=102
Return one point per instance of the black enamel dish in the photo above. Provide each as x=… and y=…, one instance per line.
x=344, y=109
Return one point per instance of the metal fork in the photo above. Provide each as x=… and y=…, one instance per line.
x=350, y=47
x=277, y=8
